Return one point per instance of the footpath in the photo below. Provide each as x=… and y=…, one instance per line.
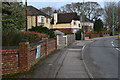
x=63, y=63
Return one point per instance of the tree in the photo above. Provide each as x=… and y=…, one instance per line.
x=98, y=25
x=111, y=14
x=92, y=10
x=119, y=16
x=13, y=16
x=48, y=10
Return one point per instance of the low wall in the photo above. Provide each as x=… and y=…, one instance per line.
x=94, y=35
x=21, y=59
x=64, y=40
x=101, y=34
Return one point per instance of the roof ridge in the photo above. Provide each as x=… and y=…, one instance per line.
x=37, y=11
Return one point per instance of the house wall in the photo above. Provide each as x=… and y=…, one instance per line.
x=76, y=25
x=87, y=26
x=31, y=21
x=68, y=27
x=48, y=25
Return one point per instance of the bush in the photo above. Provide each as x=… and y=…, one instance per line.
x=80, y=31
x=42, y=29
x=14, y=37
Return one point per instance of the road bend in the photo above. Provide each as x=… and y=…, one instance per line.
x=101, y=57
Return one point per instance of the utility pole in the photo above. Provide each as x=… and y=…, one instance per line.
x=26, y=15
x=83, y=19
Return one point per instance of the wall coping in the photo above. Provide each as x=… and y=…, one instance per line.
x=8, y=47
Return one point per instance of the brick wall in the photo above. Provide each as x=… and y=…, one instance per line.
x=9, y=61
x=100, y=34
x=52, y=45
x=66, y=30
x=21, y=59
x=94, y=35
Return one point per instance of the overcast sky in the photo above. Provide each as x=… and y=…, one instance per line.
x=58, y=3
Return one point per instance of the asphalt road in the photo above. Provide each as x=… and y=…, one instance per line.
x=101, y=57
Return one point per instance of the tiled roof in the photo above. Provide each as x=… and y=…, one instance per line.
x=32, y=11
x=66, y=18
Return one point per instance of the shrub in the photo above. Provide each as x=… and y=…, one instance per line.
x=80, y=31
x=14, y=37
x=45, y=30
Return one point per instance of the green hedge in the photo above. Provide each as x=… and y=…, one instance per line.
x=45, y=30
x=13, y=38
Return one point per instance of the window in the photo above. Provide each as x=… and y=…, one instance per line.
x=42, y=19
x=46, y=20
x=79, y=25
x=74, y=23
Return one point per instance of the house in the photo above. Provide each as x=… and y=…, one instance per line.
x=66, y=22
x=36, y=17
x=87, y=25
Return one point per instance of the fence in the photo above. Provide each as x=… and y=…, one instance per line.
x=64, y=40
x=20, y=59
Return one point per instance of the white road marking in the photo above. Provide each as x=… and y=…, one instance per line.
x=75, y=49
x=117, y=49
x=114, y=45
x=112, y=42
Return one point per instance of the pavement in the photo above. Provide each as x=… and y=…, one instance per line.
x=63, y=63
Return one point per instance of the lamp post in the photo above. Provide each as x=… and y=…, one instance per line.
x=113, y=26
x=26, y=15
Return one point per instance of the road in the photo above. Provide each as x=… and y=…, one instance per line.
x=101, y=57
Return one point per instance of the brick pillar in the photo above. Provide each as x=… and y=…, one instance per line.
x=23, y=56
x=46, y=48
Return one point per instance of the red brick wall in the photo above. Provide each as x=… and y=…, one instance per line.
x=32, y=54
x=21, y=59
x=94, y=35
x=51, y=45
x=101, y=34
x=9, y=61
x=66, y=30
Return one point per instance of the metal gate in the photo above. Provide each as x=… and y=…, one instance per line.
x=78, y=36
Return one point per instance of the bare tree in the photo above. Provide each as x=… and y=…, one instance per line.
x=119, y=16
x=111, y=14
x=92, y=10
x=48, y=10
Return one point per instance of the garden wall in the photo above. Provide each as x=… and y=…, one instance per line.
x=94, y=35
x=64, y=40
x=21, y=58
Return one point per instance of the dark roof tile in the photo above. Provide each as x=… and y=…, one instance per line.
x=66, y=18
x=32, y=11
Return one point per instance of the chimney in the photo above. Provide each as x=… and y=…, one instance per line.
x=55, y=17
